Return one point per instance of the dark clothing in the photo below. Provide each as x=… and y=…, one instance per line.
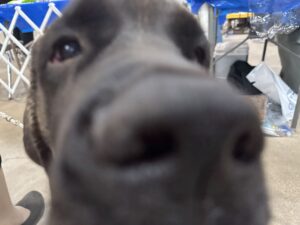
x=24, y=37
x=238, y=78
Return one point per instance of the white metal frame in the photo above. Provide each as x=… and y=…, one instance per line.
x=11, y=86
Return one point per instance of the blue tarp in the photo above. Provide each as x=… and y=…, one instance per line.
x=35, y=11
x=290, y=10
x=271, y=16
x=256, y=6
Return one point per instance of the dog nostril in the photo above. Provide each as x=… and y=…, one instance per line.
x=245, y=148
x=153, y=145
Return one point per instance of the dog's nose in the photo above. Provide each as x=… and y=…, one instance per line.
x=181, y=120
x=163, y=152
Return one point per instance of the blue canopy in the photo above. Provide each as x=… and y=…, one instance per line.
x=272, y=16
x=289, y=10
x=256, y=6
x=35, y=11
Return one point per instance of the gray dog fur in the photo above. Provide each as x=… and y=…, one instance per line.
x=130, y=128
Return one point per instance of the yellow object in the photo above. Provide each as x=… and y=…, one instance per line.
x=241, y=15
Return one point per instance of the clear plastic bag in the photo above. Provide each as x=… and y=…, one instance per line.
x=264, y=79
x=275, y=124
x=267, y=25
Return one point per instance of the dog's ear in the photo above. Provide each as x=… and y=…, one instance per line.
x=190, y=38
x=202, y=53
x=34, y=143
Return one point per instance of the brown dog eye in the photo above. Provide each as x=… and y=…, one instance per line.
x=65, y=50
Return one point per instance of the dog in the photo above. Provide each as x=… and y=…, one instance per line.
x=131, y=129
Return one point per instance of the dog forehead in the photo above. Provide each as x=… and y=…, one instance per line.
x=138, y=4
x=138, y=10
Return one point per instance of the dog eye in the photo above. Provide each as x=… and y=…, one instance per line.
x=65, y=50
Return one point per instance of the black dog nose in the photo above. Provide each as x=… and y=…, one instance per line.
x=178, y=118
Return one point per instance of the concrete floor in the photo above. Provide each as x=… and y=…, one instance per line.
x=281, y=159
